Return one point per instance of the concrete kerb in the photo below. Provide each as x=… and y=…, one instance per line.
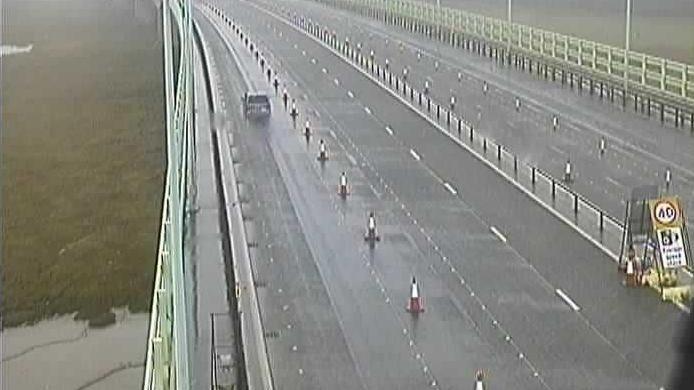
x=612, y=255
x=241, y=254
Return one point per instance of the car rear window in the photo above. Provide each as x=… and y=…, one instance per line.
x=257, y=99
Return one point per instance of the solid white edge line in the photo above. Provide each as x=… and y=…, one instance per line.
x=498, y=234
x=415, y=155
x=450, y=188
x=567, y=299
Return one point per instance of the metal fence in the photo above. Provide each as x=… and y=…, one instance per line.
x=166, y=364
x=670, y=81
x=590, y=220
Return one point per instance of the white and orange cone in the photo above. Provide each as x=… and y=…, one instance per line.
x=342, y=188
x=630, y=279
x=415, y=305
x=479, y=380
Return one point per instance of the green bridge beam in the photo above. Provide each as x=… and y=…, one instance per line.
x=166, y=364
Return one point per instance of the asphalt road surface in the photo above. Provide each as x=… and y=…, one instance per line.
x=638, y=149
x=508, y=288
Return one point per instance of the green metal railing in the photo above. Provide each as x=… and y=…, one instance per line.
x=166, y=364
x=668, y=80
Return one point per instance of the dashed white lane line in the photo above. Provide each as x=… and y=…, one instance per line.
x=368, y=110
x=303, y=52
x=336, y=81
x=557, y=150
x=498, y=234
x=450, y=188
x=415, y=155
x=389, y=130
x=567, y=299
x=351, y=159
x=615, y=182
x=324, y=70
x=313, y=60
x=350, y=94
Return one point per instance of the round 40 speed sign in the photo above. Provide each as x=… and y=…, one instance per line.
x=666, y=212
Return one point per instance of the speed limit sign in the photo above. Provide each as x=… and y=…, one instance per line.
x=666, y=212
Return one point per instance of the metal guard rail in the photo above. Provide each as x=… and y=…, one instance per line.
x=669, y=80
x=166, y=362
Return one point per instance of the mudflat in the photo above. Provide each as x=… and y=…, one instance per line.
x=82, y=158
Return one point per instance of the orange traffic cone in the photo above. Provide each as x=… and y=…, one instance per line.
x=415, y=305
x=479, y=380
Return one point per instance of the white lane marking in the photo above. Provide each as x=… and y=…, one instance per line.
x=557, y=150
x=295, y=46
x=325, y=70
x=389, y=130
x=378, y=195
x=336, y=81
x=313, y=60
x=303, y=52
x=613, y=181
x=368, y=110
x=498, y=234
x=415, y=155
x=351, y=159
x=568, y=300
x=350, y=94
x=450, y=188
x=332, y=133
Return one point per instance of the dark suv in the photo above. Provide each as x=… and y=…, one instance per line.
x=256, y=105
